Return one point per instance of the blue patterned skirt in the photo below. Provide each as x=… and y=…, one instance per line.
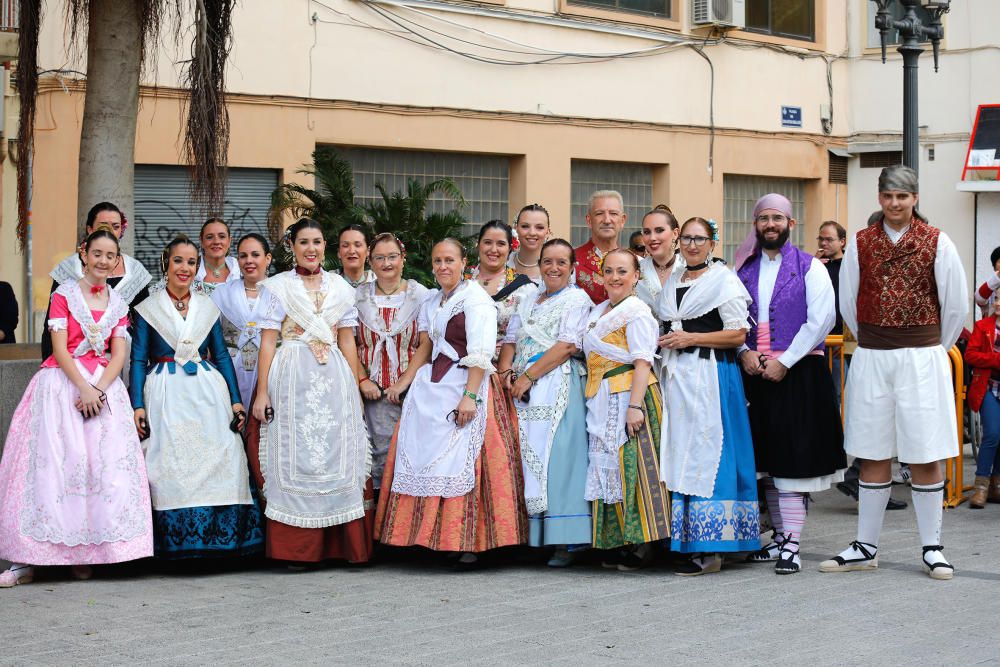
x=209, y=532
x=729, y=520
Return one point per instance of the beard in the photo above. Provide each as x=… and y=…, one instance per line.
x=776, y=243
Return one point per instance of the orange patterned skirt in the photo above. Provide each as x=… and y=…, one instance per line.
x=492, y=515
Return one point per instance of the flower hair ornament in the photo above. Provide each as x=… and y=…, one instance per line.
x=715, y=229
x=124, y=223
x=600, y=264
x=286, y=240
x=387, y=236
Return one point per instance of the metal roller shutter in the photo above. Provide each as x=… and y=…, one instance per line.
x=163, y=207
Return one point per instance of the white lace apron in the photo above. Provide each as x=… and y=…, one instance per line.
x=434, y=457
x=539, y=419
x=315, y=456
x=691, y=427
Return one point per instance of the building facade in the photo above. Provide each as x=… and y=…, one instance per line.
x=524, y=101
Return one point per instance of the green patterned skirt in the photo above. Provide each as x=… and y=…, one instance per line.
x=644, y=513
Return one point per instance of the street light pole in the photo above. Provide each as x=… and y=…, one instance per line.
x=912, y=32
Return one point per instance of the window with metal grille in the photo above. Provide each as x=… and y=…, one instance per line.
x=783, y=18
x=164, y=209
x=633, y=180
x=659, y=8
x=838, y=169
x=740, y=193
x=881, y=159
x=483, y=179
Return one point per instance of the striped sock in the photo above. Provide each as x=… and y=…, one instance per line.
x=773, y=505
x=793, y=515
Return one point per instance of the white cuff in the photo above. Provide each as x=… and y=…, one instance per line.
x=484, y=361
x=57, y=324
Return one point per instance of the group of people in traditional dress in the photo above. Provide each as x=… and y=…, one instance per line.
x=551, y=396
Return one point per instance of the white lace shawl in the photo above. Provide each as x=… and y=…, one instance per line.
x=136, y=276
x=231, y=298
x=183, y=335
x=231, y=263
x=291, y=293
x=368, y=314
x=95, y=334
x=480, y=324
x=605, y=410
x=691, y=427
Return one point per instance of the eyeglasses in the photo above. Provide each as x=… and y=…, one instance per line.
x=380, y=259
x=827, y=239
x=639, y=249
x=777, y=217
x=698, y=241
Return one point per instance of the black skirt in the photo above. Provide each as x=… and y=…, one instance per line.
x=796, y=427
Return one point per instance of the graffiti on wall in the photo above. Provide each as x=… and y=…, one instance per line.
x=158, y=222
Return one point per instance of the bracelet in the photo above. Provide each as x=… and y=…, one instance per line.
x=526, y=374
x=633, y=406
x=466, y=392
x=363, y=379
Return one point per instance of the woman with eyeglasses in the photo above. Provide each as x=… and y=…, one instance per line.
x=311, y=451
x=631, y=505
x=187, y=407
x=452, y=479
x=532, y=227
x=706, y=448
x=73, y=488
x=659, y=234
x=540, y=364
x=244, y=305
x=390, y=347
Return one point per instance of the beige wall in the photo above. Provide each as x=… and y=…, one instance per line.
x=282, y=133
x=296, y=83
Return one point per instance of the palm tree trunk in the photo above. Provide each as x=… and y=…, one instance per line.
x=107, y=141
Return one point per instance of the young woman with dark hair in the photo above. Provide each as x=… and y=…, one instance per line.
x=90, y=503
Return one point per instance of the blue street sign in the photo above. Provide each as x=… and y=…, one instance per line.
x=791, y=116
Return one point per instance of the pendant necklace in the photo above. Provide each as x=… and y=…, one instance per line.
x=216, y=270
x=180, y=302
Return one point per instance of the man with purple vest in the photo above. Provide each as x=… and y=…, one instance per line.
x=903, y=292
x=794, y=416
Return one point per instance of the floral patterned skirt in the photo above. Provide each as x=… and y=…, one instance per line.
x=729, y=520
x=73, y=491
x=492, y=515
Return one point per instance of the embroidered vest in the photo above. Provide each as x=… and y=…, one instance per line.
x=897, y=286
x=454, y=333
x=598, y=366
x=788, y=310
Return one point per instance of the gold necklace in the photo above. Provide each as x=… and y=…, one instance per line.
x=398, y=285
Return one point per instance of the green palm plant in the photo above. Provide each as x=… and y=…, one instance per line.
x=405, y=216
x=330, y=203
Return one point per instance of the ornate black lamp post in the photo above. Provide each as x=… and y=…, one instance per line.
x=912, y=32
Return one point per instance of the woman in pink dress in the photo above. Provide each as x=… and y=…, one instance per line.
x=73, y=488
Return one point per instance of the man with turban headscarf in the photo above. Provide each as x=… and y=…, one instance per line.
x=903, y=291
x=797, y=436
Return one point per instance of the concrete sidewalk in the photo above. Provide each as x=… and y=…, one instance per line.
x=411, y=610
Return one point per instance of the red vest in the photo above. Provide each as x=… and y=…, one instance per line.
x=897, y=287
